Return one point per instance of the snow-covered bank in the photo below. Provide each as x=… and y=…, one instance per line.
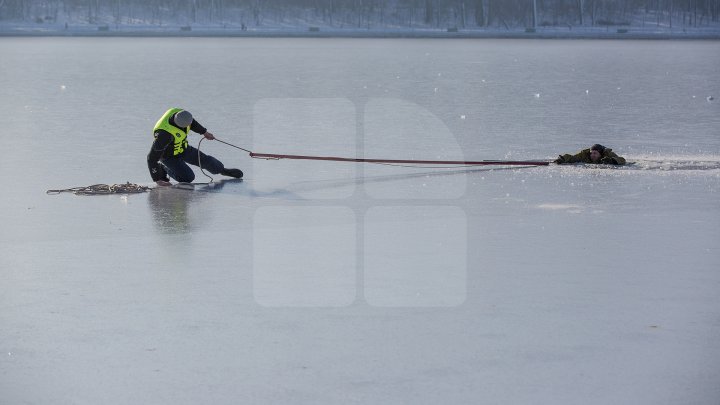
x=87, y=30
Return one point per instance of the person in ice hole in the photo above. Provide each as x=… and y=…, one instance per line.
x=595, y=154
x=170, y=152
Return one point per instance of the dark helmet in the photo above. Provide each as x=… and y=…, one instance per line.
x=598, y=148
x=183, y=119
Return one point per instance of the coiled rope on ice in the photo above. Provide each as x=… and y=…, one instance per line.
x=127, y=188
x=103, y=189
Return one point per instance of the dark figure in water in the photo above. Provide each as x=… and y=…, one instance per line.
x=170, y=153
x=595, y=154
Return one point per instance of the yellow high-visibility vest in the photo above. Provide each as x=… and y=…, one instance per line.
x=179, y=134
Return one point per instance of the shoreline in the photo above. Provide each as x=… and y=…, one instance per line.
x=637, y=33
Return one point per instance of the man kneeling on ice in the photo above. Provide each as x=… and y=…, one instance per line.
x=595, y=154
x=170, y=152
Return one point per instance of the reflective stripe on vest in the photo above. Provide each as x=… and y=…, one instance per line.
x=179, y=134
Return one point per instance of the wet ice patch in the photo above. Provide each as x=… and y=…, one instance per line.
x=571, y=208
x=677, y=162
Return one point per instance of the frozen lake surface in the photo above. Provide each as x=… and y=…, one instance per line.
x=326, y=282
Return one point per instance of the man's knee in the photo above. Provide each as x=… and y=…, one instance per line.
x=179, y=171
x=212, y=165
x=186, y=177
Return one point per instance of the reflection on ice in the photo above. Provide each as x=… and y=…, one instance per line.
x=170, y=205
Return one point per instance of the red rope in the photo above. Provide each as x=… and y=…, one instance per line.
x=400, y=161
x=274, y=156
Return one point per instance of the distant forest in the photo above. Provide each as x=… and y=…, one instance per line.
x=367, y=14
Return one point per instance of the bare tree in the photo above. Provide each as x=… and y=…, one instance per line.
x=429, y=11
x=480, y=13
x=581, y=9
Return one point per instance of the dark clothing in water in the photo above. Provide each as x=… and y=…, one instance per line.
x=608, y=157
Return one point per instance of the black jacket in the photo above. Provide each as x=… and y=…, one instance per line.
x=162, y=148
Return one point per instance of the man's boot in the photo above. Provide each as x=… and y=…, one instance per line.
x=237, y=173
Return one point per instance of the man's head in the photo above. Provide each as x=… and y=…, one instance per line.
x=183, y=119
x=596, y=152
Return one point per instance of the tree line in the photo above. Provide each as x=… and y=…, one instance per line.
x=368, y=13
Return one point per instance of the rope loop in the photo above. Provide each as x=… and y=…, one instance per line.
x=103, y=189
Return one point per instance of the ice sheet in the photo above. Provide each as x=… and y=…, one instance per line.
x=327, y=283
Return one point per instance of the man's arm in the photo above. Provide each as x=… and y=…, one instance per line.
x=196, y=127
x=576, y=158
x=612, y=158
x=163, y=139
x=563, y=159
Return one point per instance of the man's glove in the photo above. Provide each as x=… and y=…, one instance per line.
x=609, y=160
x=559, y=160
